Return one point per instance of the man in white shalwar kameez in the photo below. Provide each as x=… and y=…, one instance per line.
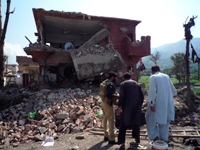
x=160, y=109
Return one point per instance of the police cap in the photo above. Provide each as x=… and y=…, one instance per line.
x=112, y=73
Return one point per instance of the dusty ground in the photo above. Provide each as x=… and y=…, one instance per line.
x=94, y=142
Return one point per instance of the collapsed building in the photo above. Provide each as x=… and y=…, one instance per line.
x=100, y=44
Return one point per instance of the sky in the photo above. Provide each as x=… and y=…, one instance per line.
x=161, y=19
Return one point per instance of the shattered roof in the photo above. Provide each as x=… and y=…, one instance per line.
x=61, y=27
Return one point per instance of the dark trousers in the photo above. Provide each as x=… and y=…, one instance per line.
x=122, y=131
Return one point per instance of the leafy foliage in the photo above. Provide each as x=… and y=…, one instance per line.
x=196, y=91
x=179, y=67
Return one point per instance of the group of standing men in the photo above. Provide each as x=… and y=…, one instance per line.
x=160, y=110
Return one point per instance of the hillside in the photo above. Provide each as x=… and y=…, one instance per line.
x=168, y=50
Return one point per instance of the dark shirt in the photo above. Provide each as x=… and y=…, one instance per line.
x=110, y=90
x=130, y=100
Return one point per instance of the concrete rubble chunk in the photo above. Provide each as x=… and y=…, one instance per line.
x=80, y=137
x=22, y=122
x=62, y=116
x=15, y=144
x=60, y=128
x=7, y=141
x=51, y=97
x=38, y=137
x=87, y=118
x=42, y=130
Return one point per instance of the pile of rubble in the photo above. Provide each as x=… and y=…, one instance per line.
x=63, y=111
x=94, y=50
x=59, y=111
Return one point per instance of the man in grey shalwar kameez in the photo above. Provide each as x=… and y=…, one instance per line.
x=160, y=109
x=130, y=102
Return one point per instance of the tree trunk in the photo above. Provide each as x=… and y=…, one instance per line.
x=189, y=101
x=2, y=38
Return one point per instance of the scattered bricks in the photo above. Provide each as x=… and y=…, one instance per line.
x=80, y=112
x=18, y=135
x=42, y=123
x=24, y=138
x=78, y=121
x=14, y=139
x=52, y=125
x=43, y=112
x=30, y=132
x=21, y=128
x=71, y=106
x=28, y=127
x=80, y=107
x=62, y=110
x=30, y=137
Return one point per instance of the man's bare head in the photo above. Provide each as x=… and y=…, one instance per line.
x=155, y=68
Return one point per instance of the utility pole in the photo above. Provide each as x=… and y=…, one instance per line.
x=188, y=37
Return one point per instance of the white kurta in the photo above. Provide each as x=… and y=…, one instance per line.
x=161, y=92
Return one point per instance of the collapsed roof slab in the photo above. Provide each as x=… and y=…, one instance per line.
x=52, y=56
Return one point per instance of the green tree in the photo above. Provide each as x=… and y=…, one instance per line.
x=167, y=71
x=179, y=66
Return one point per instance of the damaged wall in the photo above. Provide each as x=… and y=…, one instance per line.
x=58, y=28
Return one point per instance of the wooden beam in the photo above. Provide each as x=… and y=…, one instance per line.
x=144, y=133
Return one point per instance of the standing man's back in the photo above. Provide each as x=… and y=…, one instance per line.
x=160, y=109
x=130, y=102
x=162, y=89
